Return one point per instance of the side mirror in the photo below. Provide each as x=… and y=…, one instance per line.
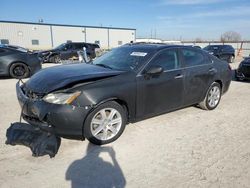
x=155, y=70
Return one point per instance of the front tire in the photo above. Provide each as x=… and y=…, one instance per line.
x=55, y=59
x=105, y=124
x=212, y=98
x=19, y=71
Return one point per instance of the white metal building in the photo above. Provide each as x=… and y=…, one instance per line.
x=45, y=36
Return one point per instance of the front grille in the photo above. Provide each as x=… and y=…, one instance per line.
x=32, y=95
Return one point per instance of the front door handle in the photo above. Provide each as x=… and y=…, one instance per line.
x=179, y=76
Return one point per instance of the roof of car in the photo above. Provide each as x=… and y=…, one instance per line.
x=156, y=46
x=77, y=43
x=93, y=44
x=220, y=45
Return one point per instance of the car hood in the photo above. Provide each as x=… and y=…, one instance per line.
x=61, y=76
x=46, y=52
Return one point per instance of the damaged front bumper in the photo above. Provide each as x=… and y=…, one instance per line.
x=40, y=142
x=47, y=123
x=63, y=120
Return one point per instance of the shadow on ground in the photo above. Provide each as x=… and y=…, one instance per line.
x=6, y=78
x=93, y=171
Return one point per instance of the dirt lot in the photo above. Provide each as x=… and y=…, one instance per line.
x=185, y=148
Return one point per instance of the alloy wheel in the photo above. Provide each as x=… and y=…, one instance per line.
x=106, y=124
x=19, y=70
x=214, y=96
x=57, y=59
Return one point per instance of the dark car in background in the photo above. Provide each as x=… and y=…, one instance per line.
x=68, y=51
x=18, y=62
x=224, y=52
x=128, y=84
x=243, y=71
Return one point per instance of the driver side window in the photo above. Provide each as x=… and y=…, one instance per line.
x=167, y=59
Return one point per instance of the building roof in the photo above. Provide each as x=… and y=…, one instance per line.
x=65, y=25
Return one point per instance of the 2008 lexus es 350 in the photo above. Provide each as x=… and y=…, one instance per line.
x=130, y=83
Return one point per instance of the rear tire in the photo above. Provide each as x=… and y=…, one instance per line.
x=213, y=96
x=19, y=71
x=105, y=123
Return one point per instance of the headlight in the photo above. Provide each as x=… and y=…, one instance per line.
x=61, y=98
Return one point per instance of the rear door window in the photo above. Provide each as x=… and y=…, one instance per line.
x=193, y=58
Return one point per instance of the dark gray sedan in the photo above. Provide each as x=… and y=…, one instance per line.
x=18, y=62
x=128, y=84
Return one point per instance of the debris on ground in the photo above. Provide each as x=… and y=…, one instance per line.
x=40, y=142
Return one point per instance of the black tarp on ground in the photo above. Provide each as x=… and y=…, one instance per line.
x=40, y=142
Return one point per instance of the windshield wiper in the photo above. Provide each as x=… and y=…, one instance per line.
x=103, y=65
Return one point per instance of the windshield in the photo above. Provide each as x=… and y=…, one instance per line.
x=61, y=46
x=212, y=48
x=124, y=58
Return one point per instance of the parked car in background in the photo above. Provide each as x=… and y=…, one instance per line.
x=243, y=71
x=68, y=51
x=224, y=52
x=195, y=46
x=128, y=84
x=18, y=62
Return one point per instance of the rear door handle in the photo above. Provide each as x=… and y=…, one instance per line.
x=212, y=70
x=179, y=76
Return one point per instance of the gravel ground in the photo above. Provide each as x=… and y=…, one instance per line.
x=185, y=148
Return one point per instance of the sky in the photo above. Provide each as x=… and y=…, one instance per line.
x=164, y=19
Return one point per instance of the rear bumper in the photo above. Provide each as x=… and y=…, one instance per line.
x=226, y=86
x=62, y=120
